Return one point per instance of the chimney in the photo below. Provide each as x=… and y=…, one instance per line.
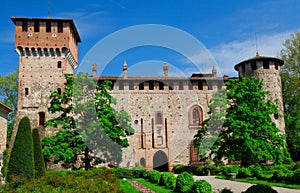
x=165, y=69
x=214, y=72
x=94, y=69
x=125, y=69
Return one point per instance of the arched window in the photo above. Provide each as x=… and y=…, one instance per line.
x=195, y=116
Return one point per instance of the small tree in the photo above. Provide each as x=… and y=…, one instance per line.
x=39, y=164
x=21, y=161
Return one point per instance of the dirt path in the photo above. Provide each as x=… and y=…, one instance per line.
x=140, y=187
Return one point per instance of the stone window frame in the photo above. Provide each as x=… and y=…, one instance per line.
x=195, y=120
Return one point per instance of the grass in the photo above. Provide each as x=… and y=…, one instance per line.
x=255, y=181
x=155, y=187
x=127, y=187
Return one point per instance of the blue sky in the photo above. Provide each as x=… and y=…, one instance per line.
x=226, y=28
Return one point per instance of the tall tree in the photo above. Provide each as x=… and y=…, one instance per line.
x=21, y=162
x=290, y=76
x=248, y=135
x=88, y=118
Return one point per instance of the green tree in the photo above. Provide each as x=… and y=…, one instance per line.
x=248, y=135
x=39, y=164
x=88, y=118
x=21, y=162
x=9, y=97
x=290, y=76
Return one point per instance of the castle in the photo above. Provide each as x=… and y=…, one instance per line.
x=166, y=111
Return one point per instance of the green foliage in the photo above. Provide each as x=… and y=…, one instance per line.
x=290, y=78
x=129, y=173
x=77, y=182
x=244, y=173
x=229, y=169
x=201, y=186
x=154, y=176
x=184, y=182
x=248, y=134
x=164, y=179
x=88, y=121
x=21, y=162
x=260, y=189
x=39, y=163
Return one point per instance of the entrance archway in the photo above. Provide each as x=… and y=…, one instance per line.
x=160, y=161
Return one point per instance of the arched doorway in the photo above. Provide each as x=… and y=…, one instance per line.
x=160, y=161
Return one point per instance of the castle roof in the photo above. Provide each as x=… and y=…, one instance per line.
x=5, y=108
x=73, y=26
x=260, y=58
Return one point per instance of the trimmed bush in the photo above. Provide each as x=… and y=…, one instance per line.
x=244, y=173
x=39, y=164
x=229, y=169
x=184, y=182
x=129, y=173
x=171, y=182
x=21, y=162
x=201, y=186
x=154, y=176
x=164, y=178
x=259, y=188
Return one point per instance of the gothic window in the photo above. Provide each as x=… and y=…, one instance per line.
x=158, y=118
x=41, y=118
x=59, y=91
x=195, y=116
x=36, y=26
x=24, y=26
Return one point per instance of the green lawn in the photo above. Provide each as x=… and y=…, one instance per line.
x=127, y=187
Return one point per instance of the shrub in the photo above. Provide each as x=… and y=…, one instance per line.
x=39, y=164
x=129, y=173
x=154, y=176
x=171, y=182
x=164, y=178
x=201, y=186
x=178, y=168
x=21, y=161
x=226, y=190
x=295, y=178
x=244, y=173
x=229, y=169
x=259, y=188
x=184, y=182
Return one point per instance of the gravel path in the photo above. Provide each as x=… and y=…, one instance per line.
x=140, y=187
x=236, y=187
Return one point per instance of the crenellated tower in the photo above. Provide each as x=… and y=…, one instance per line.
x=47, y=49
x=268, y=70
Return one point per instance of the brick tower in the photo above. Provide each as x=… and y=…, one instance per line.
x=47, y=49
x=268, y=70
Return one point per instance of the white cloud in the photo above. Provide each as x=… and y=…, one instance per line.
x=229, y=54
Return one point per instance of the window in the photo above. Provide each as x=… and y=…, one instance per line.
x=36, y=26
x=276, y=116
x=59, y=91
x=158, y=118
x=59, y=27
x=48, y=26
x=41, y=118
x=195, y=116
x=253, y=66
x=24, y=26
x=59, y=64
x=26, y=91
x=266, y=65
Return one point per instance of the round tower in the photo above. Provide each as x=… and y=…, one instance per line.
x=268, y=70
